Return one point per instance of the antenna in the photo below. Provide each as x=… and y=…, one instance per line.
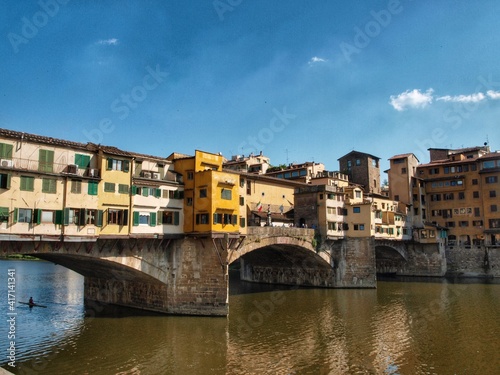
x=286, y=156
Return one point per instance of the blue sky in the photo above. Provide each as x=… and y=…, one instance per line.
x=298, y=80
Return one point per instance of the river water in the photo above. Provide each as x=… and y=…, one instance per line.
x=419, y=326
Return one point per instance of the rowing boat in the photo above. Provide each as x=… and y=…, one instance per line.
x=32, y=304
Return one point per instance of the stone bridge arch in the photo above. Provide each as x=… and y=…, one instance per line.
x=174, y=276
x=391, y=256
x=278, y=255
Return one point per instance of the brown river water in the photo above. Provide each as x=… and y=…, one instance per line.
x=411, y=326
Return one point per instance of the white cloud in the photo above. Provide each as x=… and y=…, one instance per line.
x=411, y=99
x=473, y=98
x=493, y=94
x=316, y=59
x=108, y=42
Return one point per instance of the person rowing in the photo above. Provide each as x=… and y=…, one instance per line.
x=31, y=302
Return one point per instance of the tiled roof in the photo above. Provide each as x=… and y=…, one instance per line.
x=6, y=133
x=402, y=156
x=359, y=153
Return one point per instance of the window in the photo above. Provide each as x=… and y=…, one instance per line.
x=144, y=218
x=6, y=151
x=249, y=187
x=83, y=161
x=90, y=217
x=242, y=222
x=489, y=164
x=23, y=215
x=349, y=164
x=109, y=187
x=4, y=214
x=448, y=197
x=446, y=170
x=242, y=182
x=356, y=210
x=477, y=211
x=493, y=208
x=403, y=170
x=358, y=194
x=435, y=197
x=202, y=219
x=493, y=193
x=170, y=217
x=450, y=224
x=332, y=225
x=461, y=195
x=447, y=213
x=92, y=187
x=359, y=227
x=117, y=165
x=189, y=201
x=45, y=216
x=123, y=189
x=358, y=162
x=475, y=181
x=190, y=175
x=27, y=183
x=491, y=179
x=74, y=216
x=45, y=161
x=494, y=223
x=76, y=187
x=119, y=217
x=49, y=185
x=396, y=197
x=477, y=223
x=226, y=194
x=4, y=181
x=475, y=194
x=464, y=223
x=242, y=201
x=203, y=193
x=175, y=194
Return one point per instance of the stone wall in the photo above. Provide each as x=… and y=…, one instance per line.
x=473, y=261
x=424, y=260
x=353, y=260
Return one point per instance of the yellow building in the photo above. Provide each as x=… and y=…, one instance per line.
x=265, y=200
x=211, y=202
x=114, y=197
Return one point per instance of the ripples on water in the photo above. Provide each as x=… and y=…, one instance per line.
x=416, y=327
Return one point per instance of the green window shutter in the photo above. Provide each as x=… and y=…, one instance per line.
x=176, y=218
x=215, y=218
x=145, y=192
x=8, y=181
x=159, y=216
x=125, y=217
x=126, y=166
x=242, y=222
x=81, y=216
x=133, y=190
x=45, y=160
x=99, y=218
x=152, y=219
x=37, y=216
x=93, y=187
x=135, y=218
x=83, y=161
x=59, y=217
x=234, y=220
x=5, y=151
x=157, y=193
x=16, y=213
x=66, y=216
x=109, y=164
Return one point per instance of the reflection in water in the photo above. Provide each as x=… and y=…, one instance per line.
x=414, y=327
